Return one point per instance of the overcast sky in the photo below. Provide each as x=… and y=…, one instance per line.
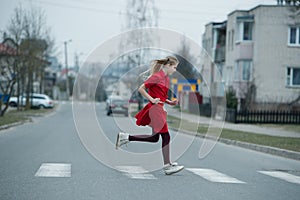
x=91, y=22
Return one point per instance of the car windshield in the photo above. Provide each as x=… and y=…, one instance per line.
x=119, y=102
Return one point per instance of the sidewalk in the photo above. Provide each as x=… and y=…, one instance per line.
x=240, y=127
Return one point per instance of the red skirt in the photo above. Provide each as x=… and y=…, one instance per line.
x=154, y=116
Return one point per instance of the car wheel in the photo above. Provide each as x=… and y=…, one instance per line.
x=41, y=106
x=12, y=104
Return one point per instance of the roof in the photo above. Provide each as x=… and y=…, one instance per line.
x=10, y=51
x=254, y=8
x=7, y=50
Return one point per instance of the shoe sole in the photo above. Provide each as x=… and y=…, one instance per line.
x=174, y=171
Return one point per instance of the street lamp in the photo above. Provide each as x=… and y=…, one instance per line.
x=66, y=66
x=77, y=62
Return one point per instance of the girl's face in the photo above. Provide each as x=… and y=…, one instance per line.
x=171, y=68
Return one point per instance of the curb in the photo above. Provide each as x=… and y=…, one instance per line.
x=261, y=148
x=31, y=119
x=7, y=126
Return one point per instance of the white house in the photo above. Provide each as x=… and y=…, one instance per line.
x=262, y=55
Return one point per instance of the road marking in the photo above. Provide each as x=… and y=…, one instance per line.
x=135, y=172
x=54, y=170
x=282, y=175
x=214, y=176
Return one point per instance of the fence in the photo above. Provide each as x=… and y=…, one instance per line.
x=200, y=109
x=274, y=117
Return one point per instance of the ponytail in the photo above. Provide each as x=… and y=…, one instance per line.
x=156, y=65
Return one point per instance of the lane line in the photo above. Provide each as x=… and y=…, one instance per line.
x=214, y=176
x=282, y=175
x=54, y=170
x=135, y=172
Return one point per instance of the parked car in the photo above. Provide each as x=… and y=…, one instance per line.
x=116, y=104
x=37, y=101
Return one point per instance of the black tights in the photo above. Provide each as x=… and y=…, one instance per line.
x=154, y=138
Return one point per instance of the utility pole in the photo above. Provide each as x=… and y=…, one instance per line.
x=66, y=68
x=139, y=14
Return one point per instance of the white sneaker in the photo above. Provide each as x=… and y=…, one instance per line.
x=172, y=168
x=122, y=138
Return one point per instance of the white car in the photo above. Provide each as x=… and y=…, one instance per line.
x=37, y=100
x=116, y=104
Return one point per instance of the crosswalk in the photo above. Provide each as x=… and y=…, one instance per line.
x=137, y=172
x=54, y=170
x=282, y=175
x=214, y=176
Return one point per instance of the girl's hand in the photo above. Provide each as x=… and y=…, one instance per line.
x=174, y=102
x=155, y=101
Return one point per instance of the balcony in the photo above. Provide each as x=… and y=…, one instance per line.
x=220, y=54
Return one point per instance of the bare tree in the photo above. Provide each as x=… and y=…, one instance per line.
x=139, y=14
x=7, y=75
x=29, y=31
x=186, y=69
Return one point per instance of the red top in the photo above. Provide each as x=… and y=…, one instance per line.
x=158, y=85
x=154, y=114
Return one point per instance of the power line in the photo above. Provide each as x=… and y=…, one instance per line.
x=118, y=12
x=113, y=12
x=75, y=7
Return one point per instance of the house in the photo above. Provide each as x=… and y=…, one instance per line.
x=7, y=60
x=14, y=68
x=257, y=53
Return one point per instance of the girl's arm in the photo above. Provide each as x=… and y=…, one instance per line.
x=142, y=90
x=173, y=103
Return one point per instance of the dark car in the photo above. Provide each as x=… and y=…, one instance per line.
x=117, y=106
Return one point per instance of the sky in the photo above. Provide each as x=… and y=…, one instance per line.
x=89, y=23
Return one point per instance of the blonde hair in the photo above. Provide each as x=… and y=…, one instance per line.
x=156, y=65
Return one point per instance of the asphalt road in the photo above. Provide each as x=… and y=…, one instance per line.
x=50, y=159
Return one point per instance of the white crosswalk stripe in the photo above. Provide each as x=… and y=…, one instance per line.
x=54, y=170
x=136, y=172
x=282, y=175
x=213, y=175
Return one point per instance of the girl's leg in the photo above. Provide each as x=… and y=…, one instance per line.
x=145, y=138
x=166, y=147
x=154, y=138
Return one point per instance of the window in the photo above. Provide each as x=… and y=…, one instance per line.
x=245, y=31
x=243, y=70
x=228, y=75
x=293, y=76
x=294, y=36
x=230, y=40
x=236, y=72
x=246, y=72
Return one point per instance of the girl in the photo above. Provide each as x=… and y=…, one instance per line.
x=153, y=114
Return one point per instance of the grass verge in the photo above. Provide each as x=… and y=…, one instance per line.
x=287, y=143
x=15, y=116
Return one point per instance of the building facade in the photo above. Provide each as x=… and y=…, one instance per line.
x=262, y=55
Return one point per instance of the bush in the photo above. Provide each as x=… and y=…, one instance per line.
x=231, y=100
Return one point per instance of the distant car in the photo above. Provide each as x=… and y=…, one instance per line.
x=37, y=101
x=116, y=105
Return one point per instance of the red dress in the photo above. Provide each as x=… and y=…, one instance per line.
x=154, y=115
